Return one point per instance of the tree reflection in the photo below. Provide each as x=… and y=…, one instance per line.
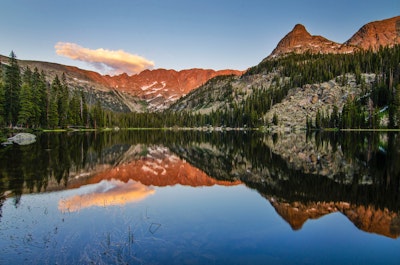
x=360, y=169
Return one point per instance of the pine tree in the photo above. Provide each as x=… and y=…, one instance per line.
x=53, y=103
x=44, y=99
x=275, y=119
x=63, y=102
x=26, y=113
x=39, y=97
x=97, y=115
x=318, y=120
x=84, y=111
x=53, y=118
x=74, y=110
x=396, y=105
x=12, y=87
x=1, y=102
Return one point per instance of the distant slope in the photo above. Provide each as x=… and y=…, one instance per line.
x=150, y=90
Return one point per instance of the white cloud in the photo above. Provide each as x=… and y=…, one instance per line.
x=106, y=61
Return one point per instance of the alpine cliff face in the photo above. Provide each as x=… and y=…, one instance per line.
x=161, y=87
x=375, y=34
x=150, y=90
x=370, y=36
x=299, y=40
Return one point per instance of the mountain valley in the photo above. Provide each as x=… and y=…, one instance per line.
x=232, y=92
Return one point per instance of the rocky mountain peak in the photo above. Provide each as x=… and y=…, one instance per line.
x=299, y=40
x=300, y=29
x=370, y=36
x=375, y=34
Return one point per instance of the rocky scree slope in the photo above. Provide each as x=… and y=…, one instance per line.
x=150, y=90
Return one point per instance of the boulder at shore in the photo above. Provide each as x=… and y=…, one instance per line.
x=22, y=139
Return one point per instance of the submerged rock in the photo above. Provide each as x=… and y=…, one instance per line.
x=22, y=139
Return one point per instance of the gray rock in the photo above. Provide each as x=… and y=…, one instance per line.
x=22, y=139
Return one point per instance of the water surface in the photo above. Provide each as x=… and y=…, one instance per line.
x=201, y=198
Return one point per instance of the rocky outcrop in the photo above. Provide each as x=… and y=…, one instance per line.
x=303, y=102
x=370, y=36
x=21, y=139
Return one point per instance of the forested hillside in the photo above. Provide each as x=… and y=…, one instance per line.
x=27, y=100
x=244, y=101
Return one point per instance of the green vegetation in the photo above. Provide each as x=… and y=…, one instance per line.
x=27, y=100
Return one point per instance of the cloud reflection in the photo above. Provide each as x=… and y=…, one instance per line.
x=107, y=193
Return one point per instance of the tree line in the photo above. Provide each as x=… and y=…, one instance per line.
x=28, y=100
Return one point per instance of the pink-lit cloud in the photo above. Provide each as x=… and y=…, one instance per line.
x=106, y=61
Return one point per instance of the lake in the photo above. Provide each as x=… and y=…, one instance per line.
x=191, y=197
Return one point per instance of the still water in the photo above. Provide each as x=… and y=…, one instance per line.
x=163, y=197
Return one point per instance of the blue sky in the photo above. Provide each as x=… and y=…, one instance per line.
x=176, y=34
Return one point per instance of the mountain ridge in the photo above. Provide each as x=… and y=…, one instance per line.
x=155, y=89
x=372, y=35
x=158, y=89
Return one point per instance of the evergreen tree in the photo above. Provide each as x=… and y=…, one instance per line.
x=84, y=111
x=275, y=119
x=97, y=115
x=27, y=112
x=318, y=120
x=396, y=104
x=334, y=119
x=63, y=102
x=53, y=118
x=53, y=104
x=74, y=110
x=43, y=99
x=38, y=97
x=12, y=87
x=1, y=103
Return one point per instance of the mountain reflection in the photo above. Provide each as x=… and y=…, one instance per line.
x=366, y=218
x=303, y=176
x=107, y=193
x=153, y=165
x=139, y=167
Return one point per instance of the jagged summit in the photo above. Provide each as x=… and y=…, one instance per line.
x=370, y=36
x=299, y=40
x=300, y=29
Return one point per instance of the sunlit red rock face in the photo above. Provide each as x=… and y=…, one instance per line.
x=166, y=82
x=299, y=40
x=375, y=34
x=368, y=219
x=370, y=36
x=159, y=168
x=162, y=87
x=159, y=87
